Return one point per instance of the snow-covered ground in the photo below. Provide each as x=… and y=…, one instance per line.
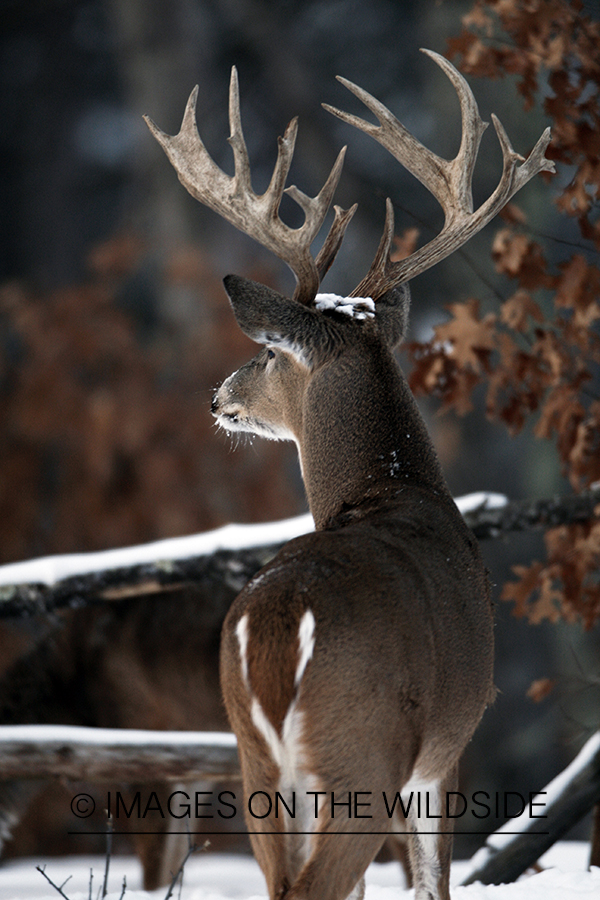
x=220, y=877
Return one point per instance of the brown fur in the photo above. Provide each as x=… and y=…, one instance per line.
x=401, y=670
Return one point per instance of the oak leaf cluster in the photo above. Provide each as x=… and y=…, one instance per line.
x=538, y=354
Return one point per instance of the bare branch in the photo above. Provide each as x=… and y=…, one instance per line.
x=534, y=515
x=55, y=886
x=179, y=873
x=567, y=799
x=109, y=835
x=230, y=567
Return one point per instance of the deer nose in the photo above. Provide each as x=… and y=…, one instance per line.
x=214, y=406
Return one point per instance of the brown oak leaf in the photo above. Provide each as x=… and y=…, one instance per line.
x=517, y=310
x=471, y=338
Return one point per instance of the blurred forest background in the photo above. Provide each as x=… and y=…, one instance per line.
x=115, y=328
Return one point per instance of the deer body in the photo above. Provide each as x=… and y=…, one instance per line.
x=359, y=659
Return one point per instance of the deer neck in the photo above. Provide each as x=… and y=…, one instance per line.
x=362, y=440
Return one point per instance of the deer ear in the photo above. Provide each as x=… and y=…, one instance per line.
x=391, y=311
x=268, y=317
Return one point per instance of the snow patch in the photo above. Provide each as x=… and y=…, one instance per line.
x=212, y=876
x=480, y=500
x=76, y=734
x=356, y=307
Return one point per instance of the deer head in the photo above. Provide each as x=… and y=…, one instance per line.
x=360, y=659
x=275, y=395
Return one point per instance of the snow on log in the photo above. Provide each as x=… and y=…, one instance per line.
x=236, y=552
x=494, y=520
x=115, y=754
x=567, y=799
x=51, y=569
x=233, y=553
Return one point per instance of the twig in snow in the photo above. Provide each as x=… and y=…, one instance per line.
x=179, y=873
x=55, y=886
x=191, y=849
x=109, y=835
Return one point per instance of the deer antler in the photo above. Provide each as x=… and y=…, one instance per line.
x=448, y=180
x=258, y=216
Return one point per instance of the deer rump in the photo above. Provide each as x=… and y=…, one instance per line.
x=397, y=596
x=148, y=662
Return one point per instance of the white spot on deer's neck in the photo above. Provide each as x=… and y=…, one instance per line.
x=356, y=307
x=306, y=642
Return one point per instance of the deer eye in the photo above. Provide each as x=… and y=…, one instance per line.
x=270, y=354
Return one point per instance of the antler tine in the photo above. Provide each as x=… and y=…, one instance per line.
x=431, y=170
x=448, y=180
x=460, y=169
x=257, y=216
x=332, y=243
x=236, y=140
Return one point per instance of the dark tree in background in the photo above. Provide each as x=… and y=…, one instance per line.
x=115, y=328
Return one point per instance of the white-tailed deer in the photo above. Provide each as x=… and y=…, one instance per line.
x=358, y=663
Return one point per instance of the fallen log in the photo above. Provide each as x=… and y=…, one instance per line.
x=567, y=798
x=115, y=754
x=233, y=553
